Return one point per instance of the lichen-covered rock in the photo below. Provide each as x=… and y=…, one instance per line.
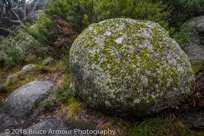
x=48, y=61
x=129, y=66
x=26, y=69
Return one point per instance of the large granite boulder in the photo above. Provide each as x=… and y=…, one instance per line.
x=23, y=101
x=129, y=66
x=194, y=48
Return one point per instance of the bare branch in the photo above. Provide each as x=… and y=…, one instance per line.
x=14, y=21
x=23, y=18
x=29, y=1
x=24, y=10
x=1, y=28
x=36, y=3
x=8, y=6
x=14, y=13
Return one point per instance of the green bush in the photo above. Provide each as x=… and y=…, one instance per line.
x=81, y=13
x=16, y=47
x=10, y=51
x=183, y=35
x=54, y=35
x=135, y=9
x=183, y=10
x=78, y=13
x=43, y=32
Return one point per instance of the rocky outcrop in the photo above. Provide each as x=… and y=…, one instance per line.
x=194, y=48
x=129, y=66
x=24, y=100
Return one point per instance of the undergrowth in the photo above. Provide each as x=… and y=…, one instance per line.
x=9, y=85
x=165, y=126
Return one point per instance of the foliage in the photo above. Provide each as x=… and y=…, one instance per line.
x=136, y=9
x=78, y=13
x=43, y=32
x=81, y=13
x=16, y=81
x=183, y=10
x=9, y=53
x=72, y=108
x=66, y=34
x=182, y=36
x=62, y=94
x=54, y=34
x=8, y=85
x=162, y=127
x=15, y=48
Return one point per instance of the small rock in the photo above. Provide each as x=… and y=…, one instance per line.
x=194, y=120
x=48, y=61
x=24, y=100
x=26, y=69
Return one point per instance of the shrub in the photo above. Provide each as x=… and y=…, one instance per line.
x=81, y=13
x=66, y=34
x=10, y=51
x=78, y=13
x=43, y=31
x=183, y=10
x=54, y=34
x=135, y=9
x=162, y=127
x=183, y=35
x=16, y=47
